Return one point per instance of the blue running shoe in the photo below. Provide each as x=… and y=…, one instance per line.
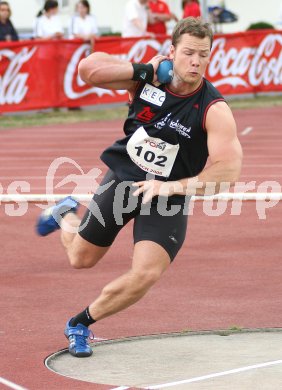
x=50, y=218
x=78, y=337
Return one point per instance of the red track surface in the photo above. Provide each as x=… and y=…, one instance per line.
x=228, y=273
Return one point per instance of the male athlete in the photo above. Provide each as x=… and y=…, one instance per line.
x=169, y=133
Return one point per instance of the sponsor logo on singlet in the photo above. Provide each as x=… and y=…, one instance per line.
x=153, y=95
x=174, y=124
x=146, y=115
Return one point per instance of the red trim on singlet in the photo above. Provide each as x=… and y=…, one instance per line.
x=206, y=111
x=130, y=101
x=185, y=96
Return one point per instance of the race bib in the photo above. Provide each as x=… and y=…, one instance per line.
x=152, y=155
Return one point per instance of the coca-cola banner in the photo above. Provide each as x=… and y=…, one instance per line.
x=41, y=74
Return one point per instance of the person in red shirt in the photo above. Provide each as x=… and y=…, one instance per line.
x=191, y=8
x=159, y=15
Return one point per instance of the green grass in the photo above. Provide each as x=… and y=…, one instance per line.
x=117, y=112
x=256, y=102
x=236, y=328
x=62, y=117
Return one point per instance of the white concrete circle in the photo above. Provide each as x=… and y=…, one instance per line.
x=195, y=360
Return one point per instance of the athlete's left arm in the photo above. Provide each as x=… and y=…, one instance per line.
x=224, y=150
x=225, y=155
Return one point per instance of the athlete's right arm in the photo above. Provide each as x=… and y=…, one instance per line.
x=106, y=71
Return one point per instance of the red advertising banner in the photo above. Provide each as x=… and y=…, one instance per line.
x=42, y=74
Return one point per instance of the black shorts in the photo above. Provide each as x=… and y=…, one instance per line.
x=112, y=208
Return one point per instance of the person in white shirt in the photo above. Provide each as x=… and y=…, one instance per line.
x=83, y=25
x=135, y=18
x=48, y=24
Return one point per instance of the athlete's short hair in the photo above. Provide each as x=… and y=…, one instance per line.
x=191, y=26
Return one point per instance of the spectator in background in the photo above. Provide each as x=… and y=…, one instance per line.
x=48, y=24
x=191, y=8
x=83, y=25
x=7, y=30
x=135, y=18
x=159, y=15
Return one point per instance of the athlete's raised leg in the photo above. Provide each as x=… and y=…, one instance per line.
x=88, y=240
x=81, y=253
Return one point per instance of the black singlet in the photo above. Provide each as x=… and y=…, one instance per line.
x=164, y=134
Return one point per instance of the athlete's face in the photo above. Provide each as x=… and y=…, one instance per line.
x=190, y=58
